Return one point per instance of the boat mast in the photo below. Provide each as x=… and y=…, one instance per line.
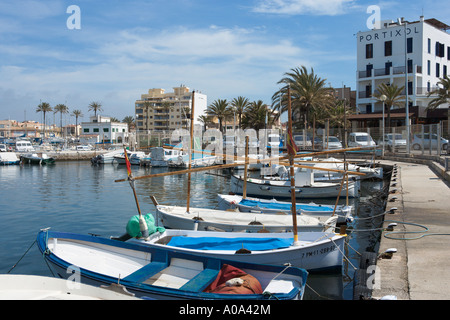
x=291, y=154
x=190, y=153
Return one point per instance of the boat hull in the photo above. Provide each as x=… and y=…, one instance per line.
x=232, y=221
x=143, y=270
x=281, y=189
x=322, y=212
x=317, y=251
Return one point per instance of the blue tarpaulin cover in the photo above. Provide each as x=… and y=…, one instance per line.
x=282, y=206
x=213, y=243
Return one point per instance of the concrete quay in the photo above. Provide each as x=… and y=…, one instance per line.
x=420, y=193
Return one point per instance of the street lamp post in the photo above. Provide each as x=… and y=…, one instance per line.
x=383, y=99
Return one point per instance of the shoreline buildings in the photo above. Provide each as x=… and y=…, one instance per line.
x=161, y=111
x=381, y=58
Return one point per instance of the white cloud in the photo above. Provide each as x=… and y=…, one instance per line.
x=295, y=7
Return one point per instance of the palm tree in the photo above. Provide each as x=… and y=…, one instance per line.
x=205, y=119
x=393, y=96
x=76, y=114
x=338, y=115
x=442, y=92
x=44, y=107
x=255, y=116
x=220, y=109
x=95, y=106
x=240, y=104
x=308, y=94
x=129, y=120
x=61, y=108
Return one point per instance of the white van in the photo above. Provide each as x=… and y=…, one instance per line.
x=84, y=148
x=24, y=146
x=360, y=139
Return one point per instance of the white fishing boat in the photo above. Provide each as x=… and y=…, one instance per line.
x=31, y=287
x=314, y=251
x=160, y=157
x=157, y=272
x=175, y=217
x=249, y=204
x=183, y=161
x=254, y=165
x=8, y=158
x=337, y=164
x=135, y=155
x=305, y=187
x=106, y=157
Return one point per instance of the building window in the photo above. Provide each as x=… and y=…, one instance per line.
x=409, y=45
x=96, y=130
x=429, y=67
x=410, y=66
x=440, y=48
x=369, y=51
x=429, y=45
x=444, y=71
x=105, y=129
x=428, y=86
x=86, y=130
x=410, y=88
x=437, y=70
x=448, y=53
x=387, y=48
x=387, y=68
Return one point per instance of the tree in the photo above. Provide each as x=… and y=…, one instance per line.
x=442, y=92
x=220, y=109
x=393, y=98
x=61, y=108
x=77, y=114
x=129, y=120
x=44, y=107
x=205, y=119
x=95, y=106
x=240, y=104
x=308, y=94
x=255, y=116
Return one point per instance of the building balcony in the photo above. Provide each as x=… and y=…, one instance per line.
x=390, y=71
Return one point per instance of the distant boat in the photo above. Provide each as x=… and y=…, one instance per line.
x=35, y=158
x=249, y=204
x=106, y=157
x=8, y=158
x=135, y=155
x=161, y=273
x=160, y=157
x=305, y=187
x=175, y=217
x=30, y=287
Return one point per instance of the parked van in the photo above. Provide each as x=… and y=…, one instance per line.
x=360, y=139
x=84, y=148
x=24, y=146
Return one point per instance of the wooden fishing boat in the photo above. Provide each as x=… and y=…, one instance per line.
x=8, y=158
x=160, y=273
x=176, y=217
x=35, y=158
x=314, y=251
x=304, y=189
x=249, y=204
x=31, y=287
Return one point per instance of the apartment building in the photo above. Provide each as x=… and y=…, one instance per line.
x=101, y=129
x=161, y=111
x=411, y=54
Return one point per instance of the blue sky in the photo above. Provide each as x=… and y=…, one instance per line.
x=224, y=49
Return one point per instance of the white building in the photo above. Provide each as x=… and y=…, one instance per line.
x=160, y=110
x=103, y=130
x=381, y=58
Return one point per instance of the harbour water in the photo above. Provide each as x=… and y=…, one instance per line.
x=78, y=197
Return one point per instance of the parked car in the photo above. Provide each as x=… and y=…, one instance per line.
x=393, y=142
x=84, y=148
x=302, y=141
x=24, y=146
x=333, y=143
x=418, y=142
x=360, y=139
x=3, y=148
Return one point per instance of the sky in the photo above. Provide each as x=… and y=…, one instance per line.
x=112, y=51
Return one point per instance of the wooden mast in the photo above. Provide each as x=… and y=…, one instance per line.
x=190, y=154
x=291, y=168
x=244, y=191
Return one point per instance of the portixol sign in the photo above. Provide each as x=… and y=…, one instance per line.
x=388, y=34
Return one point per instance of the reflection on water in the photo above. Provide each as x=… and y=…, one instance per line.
x=77, y=197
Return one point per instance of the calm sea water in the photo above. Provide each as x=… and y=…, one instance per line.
x=80, y=198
